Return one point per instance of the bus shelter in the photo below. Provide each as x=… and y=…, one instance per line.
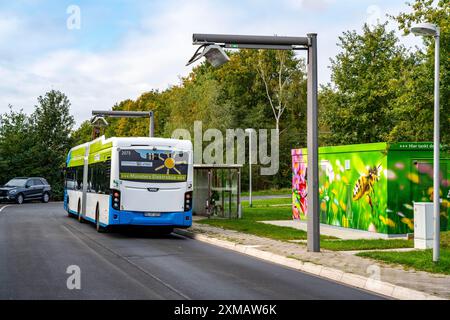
x=217, y=190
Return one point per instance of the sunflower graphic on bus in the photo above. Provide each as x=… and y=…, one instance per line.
x=170, y=163
x=153, y=165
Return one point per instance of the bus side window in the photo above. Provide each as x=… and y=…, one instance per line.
x=69, y=178
x=79, y=178
x=91, y=185
x=103, y=177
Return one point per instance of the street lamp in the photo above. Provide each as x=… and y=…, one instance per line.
x=428, y=29
x=213, y=52
x=250, y=133
x=215, y=55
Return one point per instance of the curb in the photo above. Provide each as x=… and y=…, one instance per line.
x=350, y=279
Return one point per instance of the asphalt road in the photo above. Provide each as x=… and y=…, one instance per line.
x=38, y=242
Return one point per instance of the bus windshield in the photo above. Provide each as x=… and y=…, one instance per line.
x=153, y=165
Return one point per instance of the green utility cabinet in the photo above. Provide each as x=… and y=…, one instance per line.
x=372, y=187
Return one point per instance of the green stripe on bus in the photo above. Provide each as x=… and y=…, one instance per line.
x=101, y=156
x=152, y=176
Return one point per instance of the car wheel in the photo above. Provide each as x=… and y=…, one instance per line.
x=45, y=197
x=19, y=198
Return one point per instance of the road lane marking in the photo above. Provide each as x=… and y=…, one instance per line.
x=8, y=205
x=71, y=229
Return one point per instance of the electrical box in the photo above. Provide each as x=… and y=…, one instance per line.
x=423, y=225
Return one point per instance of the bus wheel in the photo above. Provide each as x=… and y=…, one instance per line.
x=68, y=209
x=98, y=227
x=80, y=218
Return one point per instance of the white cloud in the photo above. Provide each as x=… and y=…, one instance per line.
x=150, y=56
x=313, y=5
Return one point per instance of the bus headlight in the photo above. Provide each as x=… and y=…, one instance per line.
x=188, y=201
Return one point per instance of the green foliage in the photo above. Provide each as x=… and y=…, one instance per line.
x=82, y=134
x=382, y=92
x=232, y=96
x=16, y=145
x=37, y=145
x=367, y=81
x=415, y=105
x=379, y=92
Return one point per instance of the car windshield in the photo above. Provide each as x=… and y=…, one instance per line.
x=16, y=183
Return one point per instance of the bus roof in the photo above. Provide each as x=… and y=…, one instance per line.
x=102, y=143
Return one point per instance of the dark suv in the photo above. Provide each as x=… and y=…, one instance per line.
x=21, y=189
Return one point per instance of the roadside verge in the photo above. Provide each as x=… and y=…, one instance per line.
x=354, y=280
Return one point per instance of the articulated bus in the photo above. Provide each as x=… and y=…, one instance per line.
x=130, y=181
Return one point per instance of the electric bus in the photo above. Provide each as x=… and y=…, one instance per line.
x=130, y=181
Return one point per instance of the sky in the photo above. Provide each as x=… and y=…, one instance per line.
x=101, y=52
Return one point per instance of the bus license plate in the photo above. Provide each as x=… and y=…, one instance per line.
x=152, y=214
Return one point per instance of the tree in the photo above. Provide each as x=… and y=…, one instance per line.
x=367, y=78
x=52, y=125
x=232, y=96
x=279, y=71
x=16, y=145
x=418, y=96
x=82, y=134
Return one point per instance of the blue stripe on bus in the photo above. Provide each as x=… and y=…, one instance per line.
x=87, y=218
x=168, y=219
x=171, y=219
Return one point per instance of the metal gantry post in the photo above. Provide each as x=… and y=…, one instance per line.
x=436, y=176
x=130, y=114
x=250, y=200
x=282, y=43
x=151, y=125
x=313, y=224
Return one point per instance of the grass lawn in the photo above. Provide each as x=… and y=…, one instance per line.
x=418, y=260
x=249, y=222
x=270, y=192
x=275, y=209
x=369, y=244
x=274, y=202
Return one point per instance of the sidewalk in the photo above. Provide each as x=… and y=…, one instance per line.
x=341, y=233
x=346, y=262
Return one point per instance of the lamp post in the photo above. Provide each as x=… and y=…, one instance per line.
x=250, y=133
x=212, y=45
x=428, y=29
